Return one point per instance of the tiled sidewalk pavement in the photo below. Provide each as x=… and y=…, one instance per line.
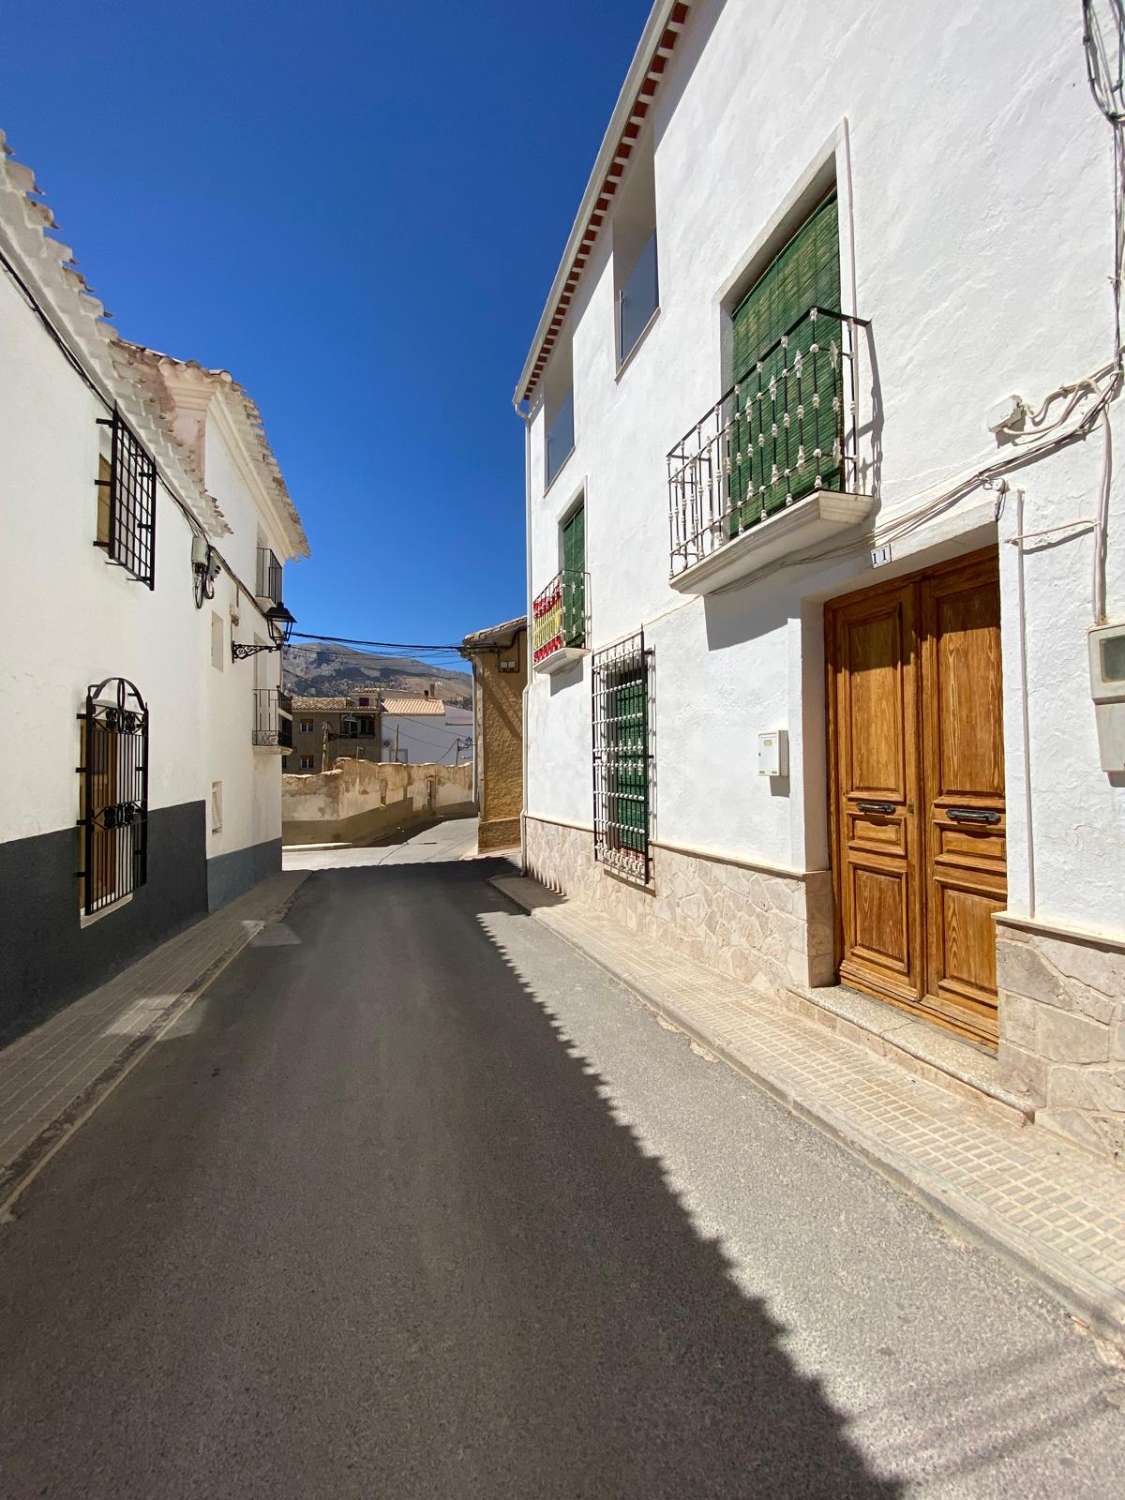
x=52, y=1076
x=1054, y=1212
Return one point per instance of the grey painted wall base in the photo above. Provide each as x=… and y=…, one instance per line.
x=228, y=875
x=47, y=958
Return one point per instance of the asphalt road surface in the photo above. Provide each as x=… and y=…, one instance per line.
x=416, y=1202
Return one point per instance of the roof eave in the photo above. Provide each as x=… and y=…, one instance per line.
x=655, y=26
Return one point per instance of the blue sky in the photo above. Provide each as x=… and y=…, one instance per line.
x=357, y=207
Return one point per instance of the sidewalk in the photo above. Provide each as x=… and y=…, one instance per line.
x=54, y=1076
x=1055, y=1213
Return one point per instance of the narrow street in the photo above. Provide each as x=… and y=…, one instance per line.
x=416, y=1201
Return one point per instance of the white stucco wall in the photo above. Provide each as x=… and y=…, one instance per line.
x=974, y=175
x=68, y=619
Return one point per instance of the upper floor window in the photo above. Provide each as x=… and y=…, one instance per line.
x=785, y=439
x=635, y=279
x=306, y=726
x=269, y=575
x=126, y=520
x=558, y=410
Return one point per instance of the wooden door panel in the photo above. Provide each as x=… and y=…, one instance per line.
x=875, y=652
x=915, y=699
x=963, y=780
x=875, y=714
x=881, y=932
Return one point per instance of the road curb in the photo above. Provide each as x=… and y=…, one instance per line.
x=1095, y=1302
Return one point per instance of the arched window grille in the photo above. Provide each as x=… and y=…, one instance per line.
x=114, y=773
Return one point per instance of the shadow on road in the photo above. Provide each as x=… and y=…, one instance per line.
x=417, y=1254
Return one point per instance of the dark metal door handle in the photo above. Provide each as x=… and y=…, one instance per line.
x=972, y=815
x=876, y=807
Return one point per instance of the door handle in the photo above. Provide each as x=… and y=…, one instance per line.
x=972, y=815
x=876, y=807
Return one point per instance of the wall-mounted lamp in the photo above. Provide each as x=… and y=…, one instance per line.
x=280, y=624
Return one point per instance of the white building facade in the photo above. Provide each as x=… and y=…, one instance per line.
x=426, y=729
x=824, y=531
x=146, y=526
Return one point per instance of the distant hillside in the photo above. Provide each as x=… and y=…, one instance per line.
x=322, y=670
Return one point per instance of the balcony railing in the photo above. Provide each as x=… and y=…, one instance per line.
x=269, y=576
x=273, y=718
x=558, y=617
x=786, y=429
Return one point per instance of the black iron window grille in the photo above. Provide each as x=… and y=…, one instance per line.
x=622, y=751
x=131, y=532
x=114, y=773
x=269, y=575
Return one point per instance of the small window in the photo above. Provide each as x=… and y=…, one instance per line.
x=114, y=794
x=622, y=759
x=306, y=726
x=269, y=575
x=216, y=807
x=129, y=525
x=364, y=702
x=558, y=411
x=306, y=762
x=218, y=655
x=635, y=278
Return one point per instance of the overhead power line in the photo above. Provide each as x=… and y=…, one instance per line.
x=342, y=640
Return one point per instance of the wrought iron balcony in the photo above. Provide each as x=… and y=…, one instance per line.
x=773, y=467
x=268, y=585
x=273, y=719
x=559, y=625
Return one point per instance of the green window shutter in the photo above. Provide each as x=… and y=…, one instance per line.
x=574, y=578
x=805, y=409
x=628, y=716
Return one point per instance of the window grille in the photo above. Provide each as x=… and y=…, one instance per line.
x=269, y=575
x=131, y=539
x=114, y=774
x=622, y=758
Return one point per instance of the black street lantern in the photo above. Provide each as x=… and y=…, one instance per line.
x=280, y=624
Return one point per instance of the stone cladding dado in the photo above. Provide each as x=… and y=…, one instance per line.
x=765, y=929
x=1062, y=1032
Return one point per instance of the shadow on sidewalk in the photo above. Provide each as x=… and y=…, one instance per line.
x=501, y=1295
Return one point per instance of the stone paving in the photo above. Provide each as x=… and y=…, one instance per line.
x=49, y=1077
x=1054, y=1211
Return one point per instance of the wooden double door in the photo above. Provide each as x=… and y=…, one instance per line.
x=917, y=783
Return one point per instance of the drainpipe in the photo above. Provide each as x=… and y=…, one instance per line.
x=1024, y=706
x=525, y=417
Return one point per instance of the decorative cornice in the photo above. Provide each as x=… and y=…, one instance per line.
x=658, y=41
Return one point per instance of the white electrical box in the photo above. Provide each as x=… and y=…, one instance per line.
x=773, y=753
x=1107, y=688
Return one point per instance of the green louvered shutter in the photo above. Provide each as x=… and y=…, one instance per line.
x=628, y=710
x=791, y=414
x=574, y=578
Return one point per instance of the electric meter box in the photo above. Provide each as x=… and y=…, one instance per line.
x=1107, y=688
x=773, y=753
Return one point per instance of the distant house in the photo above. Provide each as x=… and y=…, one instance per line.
x=326, y=729
x=499, y=659
x=426, y=729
